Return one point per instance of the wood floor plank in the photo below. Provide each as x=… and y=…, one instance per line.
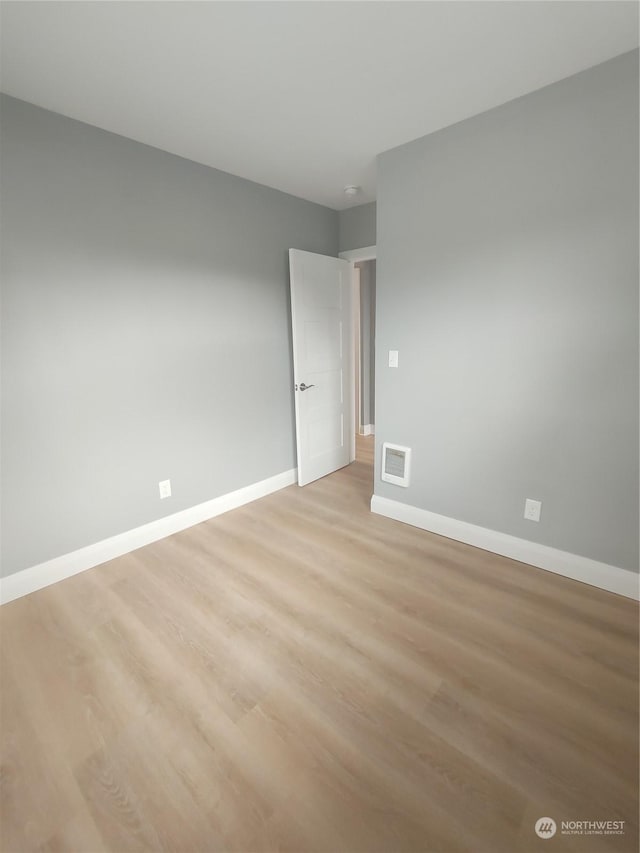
x=301, y=675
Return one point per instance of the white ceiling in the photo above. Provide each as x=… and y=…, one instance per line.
x=296, y=95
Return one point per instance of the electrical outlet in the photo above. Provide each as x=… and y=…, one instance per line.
x=165, y=488
x=532, y=509
x=393, y=358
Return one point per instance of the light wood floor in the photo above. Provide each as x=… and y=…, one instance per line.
x=302, y=675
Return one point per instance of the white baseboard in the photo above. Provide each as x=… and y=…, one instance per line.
x=44, y=574
x=367, y=429
x=610, y=578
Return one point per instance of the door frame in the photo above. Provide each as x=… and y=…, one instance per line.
x=354, y=256
x=356, y=344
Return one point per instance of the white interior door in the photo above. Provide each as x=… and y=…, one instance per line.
x=321, y=293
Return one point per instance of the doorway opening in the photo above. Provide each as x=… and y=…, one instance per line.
x=364, y=307
x=366, y=349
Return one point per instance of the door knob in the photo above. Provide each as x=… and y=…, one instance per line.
x=304, y=387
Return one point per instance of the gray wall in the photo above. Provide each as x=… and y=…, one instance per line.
x=508, y=281
x=145, y=332
x=367, y=341
x=357, y=227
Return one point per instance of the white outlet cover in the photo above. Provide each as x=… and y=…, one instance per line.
x=393, y=358
x=165, y=488
x=532, y=509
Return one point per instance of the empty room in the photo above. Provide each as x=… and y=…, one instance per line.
x=319, y=426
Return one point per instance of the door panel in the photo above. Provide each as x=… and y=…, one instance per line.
x=322, y=360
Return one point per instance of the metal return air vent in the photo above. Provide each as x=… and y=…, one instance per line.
x=396, y=464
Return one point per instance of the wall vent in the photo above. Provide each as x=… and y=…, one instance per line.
x=396, y=464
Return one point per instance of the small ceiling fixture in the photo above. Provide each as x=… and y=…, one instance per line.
x=351, y=189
